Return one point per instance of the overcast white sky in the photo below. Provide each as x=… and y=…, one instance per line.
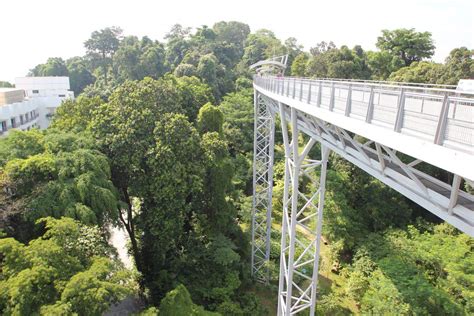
x=31, y=31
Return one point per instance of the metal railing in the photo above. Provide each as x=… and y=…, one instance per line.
x=438, y=114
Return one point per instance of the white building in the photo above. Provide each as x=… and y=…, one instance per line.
x=32, y=102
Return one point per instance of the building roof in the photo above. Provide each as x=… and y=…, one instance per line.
x=11, y=95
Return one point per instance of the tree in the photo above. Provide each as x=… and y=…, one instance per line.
x=339, y=63
x=298, y=67
x=124, y=129
x=79, y=74
x=293, y=49
x=178, y=302
x=76, y=115
x=53, y=67
x=62, y=177
x=210, y=119
x=260, y=45
x=193, y=94
x=137, y=59
x=66, y=271
x=238, y=121
x=418, y=72
x=5, y=84
x=101, y=47
x=232, y=32
x=407, y=44
x=459, y=65
x=177, y=45
x=382, y=64
x=321, y=48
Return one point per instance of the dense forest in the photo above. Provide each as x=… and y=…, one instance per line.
x=159, y=140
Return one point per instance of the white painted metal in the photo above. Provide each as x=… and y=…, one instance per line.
x=302, y=222
x=264, y=135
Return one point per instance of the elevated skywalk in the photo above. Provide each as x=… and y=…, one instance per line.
x=401, y=134
x=430, y=125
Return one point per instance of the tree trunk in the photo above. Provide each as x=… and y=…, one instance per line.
x=130, y=228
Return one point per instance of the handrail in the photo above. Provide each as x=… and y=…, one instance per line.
x=398, y=83
x=388, y=84
x=444, y=117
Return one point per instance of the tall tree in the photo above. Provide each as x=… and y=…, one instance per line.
x=407, y=44
x=101, y=47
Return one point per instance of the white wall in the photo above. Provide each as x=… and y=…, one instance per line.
x=50, y=92
x=15, y=110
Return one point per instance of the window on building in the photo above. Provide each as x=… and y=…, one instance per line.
x=22, y=120
x=4, y=126
x=13, y=122
x=62, y=95
x=35, y=91
x=27, y=117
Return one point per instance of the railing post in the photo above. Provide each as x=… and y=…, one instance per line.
x=400, y=112
x=301, y=90
x=309, y=93
x=348, y=101
x=443, y=117
x=294, y=88
x=288, y=88
x=370, y=107
x=320, y=92
x=331, y=101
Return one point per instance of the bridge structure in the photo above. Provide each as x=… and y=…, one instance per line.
x=390, y=130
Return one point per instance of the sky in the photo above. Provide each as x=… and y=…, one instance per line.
x=32, y=30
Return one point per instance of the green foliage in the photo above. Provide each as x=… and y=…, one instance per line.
x=407, y=44
x=419, y=72
x=61, y=177
x=136, y=59
x=238, y=121
x=382, y=64
x=298, y=67
x=80, y=76
x=178, y=302
x=210, y=119
x=101, y=47
x=413, y=273
x=20, y=145
x=193, y=94
x=5, y=84
x=458, y=65
x=75, y=115
x=339, y=63
x=52, y=274
x=53, y=67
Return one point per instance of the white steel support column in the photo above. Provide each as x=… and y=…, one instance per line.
x=302, y=221
x=264, y=138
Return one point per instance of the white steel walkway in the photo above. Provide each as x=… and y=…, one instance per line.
x=391, y=131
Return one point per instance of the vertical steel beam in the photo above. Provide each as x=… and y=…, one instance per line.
x=302, y=222
x=264, y=138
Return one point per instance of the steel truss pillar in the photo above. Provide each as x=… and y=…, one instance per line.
x=302, y=221
x=264, y=138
